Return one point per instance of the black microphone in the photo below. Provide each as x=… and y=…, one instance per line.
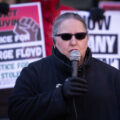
x=75, y=57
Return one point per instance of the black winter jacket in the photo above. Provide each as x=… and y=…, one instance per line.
x=37, y=94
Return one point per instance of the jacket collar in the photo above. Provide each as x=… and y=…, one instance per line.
x=64, y=64
x=87, y=59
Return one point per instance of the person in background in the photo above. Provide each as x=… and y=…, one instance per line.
x=50, y=9
x=4, y=7
x=47, y=90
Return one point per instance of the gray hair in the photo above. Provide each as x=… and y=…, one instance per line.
x=63, y=17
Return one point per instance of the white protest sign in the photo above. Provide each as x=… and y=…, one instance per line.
x=21, y=41
x=104, y=36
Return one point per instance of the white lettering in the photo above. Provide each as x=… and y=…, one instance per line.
x=102, y=44
x=6, y=39
x=110, y=41
x=22, y=38
x=28, y=52
x=6, y=54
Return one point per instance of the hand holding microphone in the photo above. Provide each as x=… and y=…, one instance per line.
x=75, y=86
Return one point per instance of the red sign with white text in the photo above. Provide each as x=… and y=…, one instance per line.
x=21, y=40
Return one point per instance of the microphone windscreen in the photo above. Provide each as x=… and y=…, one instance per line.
x=74, y=55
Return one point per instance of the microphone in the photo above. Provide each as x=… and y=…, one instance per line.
x=75, y=57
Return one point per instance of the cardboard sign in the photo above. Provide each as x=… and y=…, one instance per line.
x=104, y=37
x=21, y=41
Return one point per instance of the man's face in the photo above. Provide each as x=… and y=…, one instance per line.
x=65, y=47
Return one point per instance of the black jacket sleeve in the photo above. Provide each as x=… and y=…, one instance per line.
x=27, y=102
x=117, y=88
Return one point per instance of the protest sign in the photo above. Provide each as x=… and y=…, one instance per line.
x=21, y=40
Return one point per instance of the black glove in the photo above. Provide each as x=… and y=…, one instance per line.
x=75, y=86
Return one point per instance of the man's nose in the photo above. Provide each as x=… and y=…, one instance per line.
x=73, y=40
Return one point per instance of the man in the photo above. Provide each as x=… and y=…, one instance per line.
x=45, y=89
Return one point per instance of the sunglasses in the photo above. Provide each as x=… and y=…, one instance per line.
x=68, y=36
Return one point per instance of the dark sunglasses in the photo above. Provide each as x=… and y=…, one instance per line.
x=68, y=36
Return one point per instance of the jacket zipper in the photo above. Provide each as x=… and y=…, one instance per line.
x=75, y=110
